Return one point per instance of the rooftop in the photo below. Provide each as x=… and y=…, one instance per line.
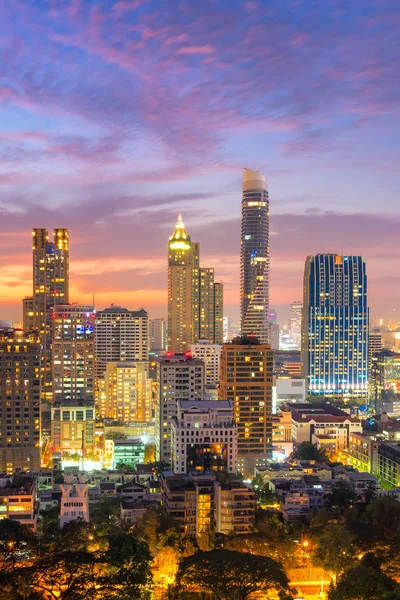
x=117, y=310
x=205, y=405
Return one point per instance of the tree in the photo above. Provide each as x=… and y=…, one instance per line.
x=309, y=451
x=127, y=572
x=121, y=466
x=341, y=496
x=231, y=575
x=364, y=581
x=335, y=550
x=105, y=514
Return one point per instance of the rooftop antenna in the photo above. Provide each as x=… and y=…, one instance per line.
x=93, y=299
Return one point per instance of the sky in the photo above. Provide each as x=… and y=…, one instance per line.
x=116, y=115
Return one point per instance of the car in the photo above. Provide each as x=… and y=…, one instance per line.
x=297, y=593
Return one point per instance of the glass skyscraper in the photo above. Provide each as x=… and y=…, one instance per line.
x=335, y=326
x=254, y=256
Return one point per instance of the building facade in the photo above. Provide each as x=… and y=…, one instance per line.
x=210, y=354
x=128, y=392
x=73, y=331
x=179, y=377
x=204, y=437
x=310, y=420
x=335, y=327
x=50, y=288
x=73, y=427
x=254, y=257
x=121, y=335
x=388, y=468
x=195, y=300
x=20, y=401
x=246, y=380
x=74, y=502
x=199, y=503
x=296, y=309
x=18, y=499
x=158, y=334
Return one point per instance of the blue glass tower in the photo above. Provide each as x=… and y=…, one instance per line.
x=335, y=323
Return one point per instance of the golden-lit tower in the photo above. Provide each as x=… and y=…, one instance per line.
x=183, y=263
x=195, y=301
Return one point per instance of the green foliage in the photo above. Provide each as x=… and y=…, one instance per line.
x=342, y=495
x=365, y=581
x=157, y=529
x=75, y=564
x=105, y=514
x=335, y=550
x=231, y=575
x=309, y=451
x=116, y=435
x=121, y=466
x=264, y=495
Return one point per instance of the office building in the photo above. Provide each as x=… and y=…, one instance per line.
x=158, y=335
x=363, y=451
x=335, y=327
x=73, y=328
x=388, y=467
x=128, y=452
x=204, y=437
x=210, y=354
x=274, y=332
x=296, y=309
x=50, y=288
x=179, y=377
x=195, y=301
x=254, y=257
x=128, y=392
x=246, y=380
x=318, y=422
x=121, y=334
x=73, y=426
x=288, y=390
x=20, y=405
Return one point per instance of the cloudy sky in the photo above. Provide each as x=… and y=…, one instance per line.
x=116, y=115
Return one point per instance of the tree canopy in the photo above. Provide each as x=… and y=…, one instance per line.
x=231, y=575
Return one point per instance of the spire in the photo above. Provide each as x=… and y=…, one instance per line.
x=180, y=233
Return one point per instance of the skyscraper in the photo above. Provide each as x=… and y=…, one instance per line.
x=295, y=322
x=50, y=288
x=179, y=377
x=335, y=326
x=254, y=256
x=158, y=334
x=73, y=353
x=246, y=379
x=121, y=334
x=195, y=301
x=20, y=381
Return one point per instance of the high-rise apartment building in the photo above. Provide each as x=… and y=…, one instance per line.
x=335, y=326
x=210, y=354
x=73, y=353
x=158, y=334
x=246, y=380
x=195, y=301
x=28, y=314
x=254, y=257
x=179, y=377
x=273, y=329
x=128, y=392
x=20, y=381
x=50, y=288
x=121, y=334
x=296, y=309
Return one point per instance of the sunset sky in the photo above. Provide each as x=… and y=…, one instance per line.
x=118, y=115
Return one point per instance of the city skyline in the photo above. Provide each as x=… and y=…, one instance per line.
x=314, y=110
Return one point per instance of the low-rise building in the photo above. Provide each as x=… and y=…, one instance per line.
x=364, y=485
x=363, y=451
x=204, y=437
x=323, y=419
x=128, y=452
x=74, y=499
x=18, y=499
x=388, y=469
